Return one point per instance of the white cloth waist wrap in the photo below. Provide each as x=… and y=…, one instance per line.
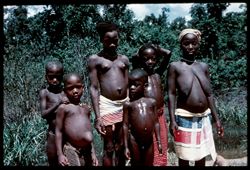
x=111, y=112
x=194, y=138
x=185, y=113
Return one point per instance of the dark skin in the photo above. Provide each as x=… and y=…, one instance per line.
x=73, y=121
x=108, y=72
x=192, y=80
x=140, y=117
x=148, y=60
x=50, y=99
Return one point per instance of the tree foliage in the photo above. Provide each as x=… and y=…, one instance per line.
x=67, y=33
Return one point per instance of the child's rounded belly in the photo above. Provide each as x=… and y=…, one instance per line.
x=80, y=139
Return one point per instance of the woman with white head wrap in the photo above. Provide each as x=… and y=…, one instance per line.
x=196, y=32
x=191, y=107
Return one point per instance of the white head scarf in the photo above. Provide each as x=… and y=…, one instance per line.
x=196, y=32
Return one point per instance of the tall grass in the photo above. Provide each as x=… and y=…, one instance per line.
x=232, y=110
x=24, y=142
x=24, y=139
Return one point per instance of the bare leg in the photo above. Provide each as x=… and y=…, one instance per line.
x=134, y=152
x=148, y=156
x=108, y=147
x=200, y=162
x=183, y=162
x=51, y=150
x=119, y=147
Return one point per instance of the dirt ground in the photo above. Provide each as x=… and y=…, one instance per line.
x=173, y=161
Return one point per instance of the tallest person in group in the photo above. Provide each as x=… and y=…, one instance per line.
x=108, y=72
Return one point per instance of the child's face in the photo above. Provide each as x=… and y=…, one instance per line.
x=149, y=58
x=54, y=76
x=136, y=88
x=190, y=45
x=110, y=41
x=73, y=88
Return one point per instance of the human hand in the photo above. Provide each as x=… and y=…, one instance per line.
x=63, y=161
x=220, y=129
x=100, y=127
x=127, y=153
x=64, y=100
x=159, y=147
x=173, y=127
x=94, y=160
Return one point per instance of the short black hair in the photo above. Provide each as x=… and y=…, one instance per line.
x=51, y=64
x=146, y=46
x=103, y=27
x=139, y=74
x=67, y=76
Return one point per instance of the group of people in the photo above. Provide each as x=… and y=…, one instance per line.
x=129, y=107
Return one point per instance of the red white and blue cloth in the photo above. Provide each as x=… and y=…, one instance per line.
x=194, y=138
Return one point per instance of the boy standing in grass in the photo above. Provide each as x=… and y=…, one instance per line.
x=50, y=98
x=147, y=58
x=140, y=122
x=74, y=138
x=108, y=72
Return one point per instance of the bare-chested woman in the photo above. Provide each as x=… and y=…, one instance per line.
x=108, y=72
x=74, y=138
x=140, y=122
x=190, y=119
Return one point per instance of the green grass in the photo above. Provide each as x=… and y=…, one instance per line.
x=24, y=139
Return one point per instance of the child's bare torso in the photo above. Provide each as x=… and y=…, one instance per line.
x=77, y=125
x=141, y=118
x=52, y=99
x=155, y=90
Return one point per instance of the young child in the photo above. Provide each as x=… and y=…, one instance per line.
x=147, y=58
x=191, y=107
x=140, y=122
x=50, y=98
x=74, y=138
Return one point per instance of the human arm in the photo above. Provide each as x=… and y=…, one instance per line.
x=47, y=112
x=166, y=54
x=157, y=129
x=125, y=129
x=211, y=104
x=171, y=79
x=62, y=160
x=94, y=91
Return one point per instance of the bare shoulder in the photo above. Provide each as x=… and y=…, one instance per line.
x=203, y=65
x=85, y=106
x=43, y=92
x=124, y=58
x=150, y=100
x=62, y=108
x=93, y=61
x=93, y=57
x=174, y=64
